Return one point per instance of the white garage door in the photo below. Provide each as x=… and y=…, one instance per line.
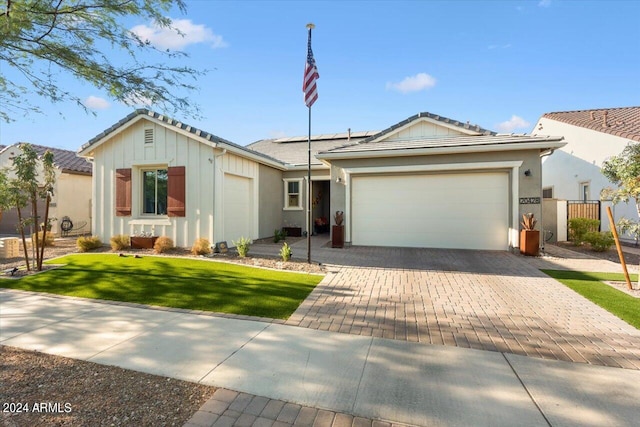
x=464, y=211
x=237, y=208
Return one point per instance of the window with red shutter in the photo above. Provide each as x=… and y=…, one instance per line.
x=176, y=191
x=123, y=192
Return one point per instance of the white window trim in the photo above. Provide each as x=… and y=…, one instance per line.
x=581, y=188
x=141, y=171
x=286, y=194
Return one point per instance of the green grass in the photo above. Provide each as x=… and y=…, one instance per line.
x=175, y=282
x=590, y=286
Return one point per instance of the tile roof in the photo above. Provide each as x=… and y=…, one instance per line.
x=443, y=142
x=172, y=122
x=294, y=150
x=623, y=122
x=66, y=160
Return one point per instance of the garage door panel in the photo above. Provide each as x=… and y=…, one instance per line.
x=449, y=211
x=237, y=208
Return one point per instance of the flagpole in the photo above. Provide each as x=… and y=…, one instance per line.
x=310, y=26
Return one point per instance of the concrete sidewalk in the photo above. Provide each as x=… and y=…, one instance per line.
x=364, y=376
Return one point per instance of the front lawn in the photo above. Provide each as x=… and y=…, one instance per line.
x=590, y=286
x=175, y=282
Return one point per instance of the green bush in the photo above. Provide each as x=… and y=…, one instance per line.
x=599, y=241
x=579, y=227
x=285, y=252
x=47, y=243
x=279, y=235
x=201, y=247
x=120, y=242
x=242, y=246
x=162, y=244
x=86, y=243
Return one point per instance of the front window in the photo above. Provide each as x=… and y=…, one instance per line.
x=293, y=194
x=154, y=191
x=584, y=191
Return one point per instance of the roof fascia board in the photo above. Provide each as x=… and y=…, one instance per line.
x=406, y=152
x=323, y=166
x=248, y=154
x=443, y=124
x=84, y=152
x=185, y=132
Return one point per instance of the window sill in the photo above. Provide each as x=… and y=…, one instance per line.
x=292, y=209
x=151, y=221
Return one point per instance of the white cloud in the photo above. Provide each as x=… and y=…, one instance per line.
x=515, y=122
x=420, y=81
x=182, y=33
x=96, y=103
x=544, y=3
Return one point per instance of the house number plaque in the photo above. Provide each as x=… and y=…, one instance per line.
x=529, y=200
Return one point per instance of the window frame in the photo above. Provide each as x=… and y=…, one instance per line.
x=287, y=206
x=142, y=172
x=584, y=189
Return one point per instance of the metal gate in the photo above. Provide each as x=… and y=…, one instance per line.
x=584, y=209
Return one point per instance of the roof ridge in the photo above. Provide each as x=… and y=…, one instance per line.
x=175, y=123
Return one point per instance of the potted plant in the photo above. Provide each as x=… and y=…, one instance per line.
x=529, y=236
x=337, y=231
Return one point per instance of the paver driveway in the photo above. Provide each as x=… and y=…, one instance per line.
x=478, y=299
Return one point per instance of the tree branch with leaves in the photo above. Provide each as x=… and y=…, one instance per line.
x=41, y=39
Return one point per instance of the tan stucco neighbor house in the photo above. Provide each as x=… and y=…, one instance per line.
x=71, y=193
x=427, y=181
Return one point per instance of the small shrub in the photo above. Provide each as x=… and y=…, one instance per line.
x=528, y=222
x=285, y=252
x=86, y=243
x=201, y=247
x=47, y=243
x=579, y=227
x=600, y=242
x=120, y=242
x=279, y=235
x=162, y=245
x=242, y=246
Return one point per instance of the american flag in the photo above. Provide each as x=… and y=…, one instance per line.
x=310, y=76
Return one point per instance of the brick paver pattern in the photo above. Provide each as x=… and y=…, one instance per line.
x=229, y=408
x=492, y=301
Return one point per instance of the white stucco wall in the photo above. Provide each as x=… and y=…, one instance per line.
x=579, y=162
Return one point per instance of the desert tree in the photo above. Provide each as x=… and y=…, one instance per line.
x=42, y=40
x=624, y=171
x=26, y=189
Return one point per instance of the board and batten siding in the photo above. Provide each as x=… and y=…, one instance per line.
x=128, y=150
x=228, y=167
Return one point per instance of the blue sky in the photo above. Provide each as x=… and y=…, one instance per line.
x=498, y=64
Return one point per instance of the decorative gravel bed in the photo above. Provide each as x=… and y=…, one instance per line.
x=44, y=390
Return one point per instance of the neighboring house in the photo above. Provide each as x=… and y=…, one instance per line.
x=71, y=193
x=427, y=181
x=573, y=173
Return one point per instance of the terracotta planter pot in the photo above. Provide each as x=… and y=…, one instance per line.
x=293, y=231
x=530, y=242
x=337, y=236
x=143, y=242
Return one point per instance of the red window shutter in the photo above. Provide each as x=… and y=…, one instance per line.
x=123, y=192
x=176, y=191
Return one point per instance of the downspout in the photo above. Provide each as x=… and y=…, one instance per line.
x=213, y=200
x=544, y=153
